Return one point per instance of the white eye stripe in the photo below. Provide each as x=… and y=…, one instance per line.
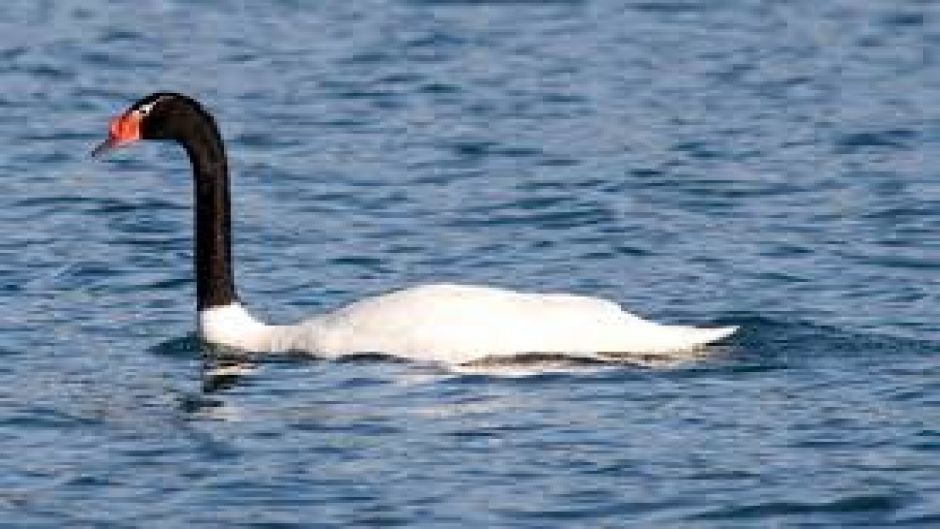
x=143, y=110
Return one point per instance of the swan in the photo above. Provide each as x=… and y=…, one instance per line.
x=441, y=323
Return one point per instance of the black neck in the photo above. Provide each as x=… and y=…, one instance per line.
x=215, y=281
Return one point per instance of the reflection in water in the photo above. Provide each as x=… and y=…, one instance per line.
x=540, y=363
x=223, y=370
x=220, y=373
x=221, y=367
x=203, y=407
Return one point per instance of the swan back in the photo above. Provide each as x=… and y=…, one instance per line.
x=457, y=324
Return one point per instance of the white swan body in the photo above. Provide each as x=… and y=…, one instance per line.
x=455, y=324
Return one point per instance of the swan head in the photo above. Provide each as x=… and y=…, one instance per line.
x=159, y=116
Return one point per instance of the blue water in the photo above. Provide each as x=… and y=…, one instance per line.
x=768, y=164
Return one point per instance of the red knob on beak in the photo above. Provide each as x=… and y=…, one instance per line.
x=122, y=130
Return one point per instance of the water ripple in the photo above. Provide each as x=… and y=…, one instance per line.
x=763, y=164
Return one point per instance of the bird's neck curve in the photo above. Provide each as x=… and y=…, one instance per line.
x=215, y=278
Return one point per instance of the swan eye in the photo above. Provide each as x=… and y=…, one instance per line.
x=143, y=110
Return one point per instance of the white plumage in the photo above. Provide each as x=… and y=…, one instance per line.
x=455, y=324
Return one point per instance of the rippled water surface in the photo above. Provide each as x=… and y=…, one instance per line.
x=770, y=164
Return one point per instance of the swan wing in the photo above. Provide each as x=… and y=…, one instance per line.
x=459, y=323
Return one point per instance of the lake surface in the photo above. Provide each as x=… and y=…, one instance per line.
x=772, y=165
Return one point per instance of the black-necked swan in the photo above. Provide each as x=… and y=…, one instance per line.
x=450, y=324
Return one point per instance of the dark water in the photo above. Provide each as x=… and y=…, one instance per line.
x=771, y=164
